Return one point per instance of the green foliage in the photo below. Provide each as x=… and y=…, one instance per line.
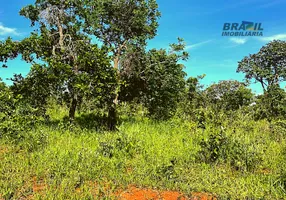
x=228, y=95
x=35, y=89
x=242, y=164
x=194, y=88
x=168, y=171
x=105, y=20
x=268, y=66
x=213, y=144
x=192, y=99
x=218, y=148
x=123, y=144
x=119, y=30
x=73, y=68
x=212, y=148
x=155, y=79
x=272, y=104
x=278, y=129
x=16, y=117
x=8, y=50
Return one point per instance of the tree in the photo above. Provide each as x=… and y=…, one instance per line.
x=195, y=91
x=119, y=24
x=272, y=104
x=154, y=78
x=229, y=95
x=268, y=66
x=65, y=57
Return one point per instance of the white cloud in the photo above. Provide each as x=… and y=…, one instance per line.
x=238, y=40
x=7, y=31
x=197, y=44
x=273, y=37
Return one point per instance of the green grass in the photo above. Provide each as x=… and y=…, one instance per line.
x=159, y=155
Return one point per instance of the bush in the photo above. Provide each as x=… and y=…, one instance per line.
x=16, y=116
x=271, y=105
x=212, y=147
x=219, y=148
x=280, y=181
x=278, y=129
x=122, y=144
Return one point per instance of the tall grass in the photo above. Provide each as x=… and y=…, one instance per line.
x=232, y=158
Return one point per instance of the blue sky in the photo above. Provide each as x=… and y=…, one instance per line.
x=200, y=23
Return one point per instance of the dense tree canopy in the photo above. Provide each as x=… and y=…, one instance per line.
x=118, y=29
x=66, y=60
x=155, y=78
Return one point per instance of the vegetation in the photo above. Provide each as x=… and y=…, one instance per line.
x=98, y=112
x=267, y=66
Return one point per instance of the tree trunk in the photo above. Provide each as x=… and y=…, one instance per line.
x=72, y=109
x=116, y=65
x=112, y=112
x=112, y=117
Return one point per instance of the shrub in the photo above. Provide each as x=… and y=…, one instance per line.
x=271, y=105
x=278, y=129
x=16, y=116
x=219, y=148
x=212, y=147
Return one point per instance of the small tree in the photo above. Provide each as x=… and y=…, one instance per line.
x=272, y=104
x=195, y=96
x=228, y=95
x=155, y=78
x=268, y=66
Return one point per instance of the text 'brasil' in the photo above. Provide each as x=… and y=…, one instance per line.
x=243, y=29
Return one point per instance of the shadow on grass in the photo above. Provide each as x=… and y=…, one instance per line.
x=99, y=122
x=90, y=121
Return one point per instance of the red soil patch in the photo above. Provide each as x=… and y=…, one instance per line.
x=134, y=193
x=138, y=194
x=169, y=195
x=3, y=151
x=38, y=186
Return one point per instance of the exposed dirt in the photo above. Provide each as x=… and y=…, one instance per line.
x=3, y=151
x=132, y=193
x=38, y=185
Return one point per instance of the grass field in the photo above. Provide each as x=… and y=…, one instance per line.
x=239, y=159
